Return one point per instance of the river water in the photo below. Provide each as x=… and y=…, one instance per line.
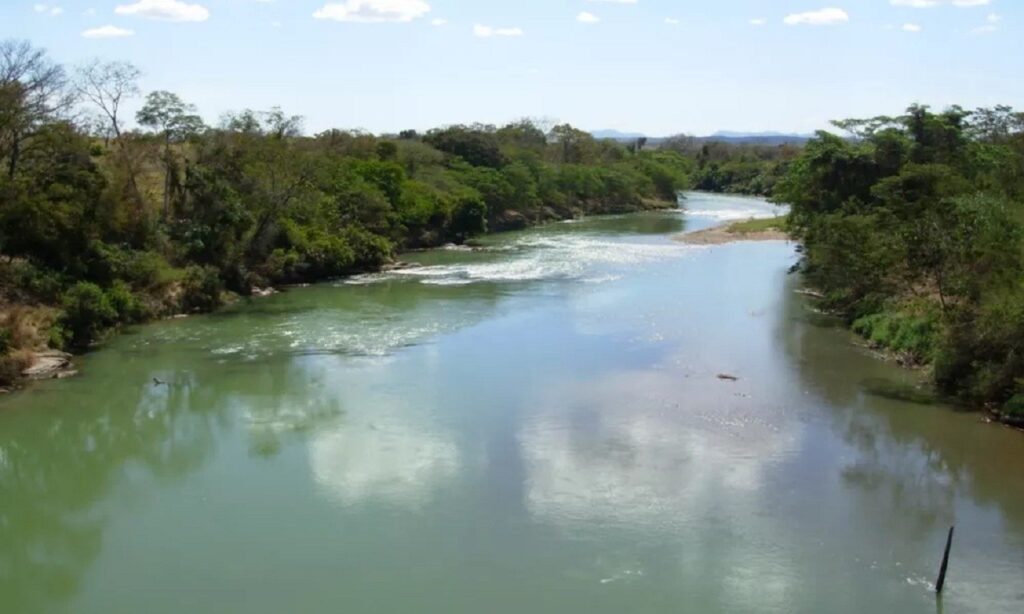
x=535, y=426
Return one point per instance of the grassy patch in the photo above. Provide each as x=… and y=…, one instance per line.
x=1014, y=408
x=776, y=224
x=912, y=335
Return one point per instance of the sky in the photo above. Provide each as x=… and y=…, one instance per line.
x=659, y=67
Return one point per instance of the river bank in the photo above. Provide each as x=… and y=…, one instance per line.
x=765, y=229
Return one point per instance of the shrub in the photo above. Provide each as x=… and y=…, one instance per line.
x=87, y=312
x=1015, y=406
x=21, y=280
x=141, y=269
x=201, y=289
x=282, y=266
x=128, y=306
x=57, y=337
x=11, y=366
x=366, y=249
x=912, y=335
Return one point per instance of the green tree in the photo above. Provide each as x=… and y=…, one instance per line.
x=174, y=120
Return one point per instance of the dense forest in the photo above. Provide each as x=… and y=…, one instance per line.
x=734, y=167
x=912, y=230
x=105, y=221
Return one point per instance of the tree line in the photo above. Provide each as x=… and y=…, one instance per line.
x=912, y=228
x=734, y=167
x=105, y=222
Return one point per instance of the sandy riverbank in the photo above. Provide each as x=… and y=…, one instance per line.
x=729, y=233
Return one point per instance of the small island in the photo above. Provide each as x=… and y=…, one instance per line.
x=754, y=229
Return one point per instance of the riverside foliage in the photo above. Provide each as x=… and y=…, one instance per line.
x=102, y=225
x=912, y=230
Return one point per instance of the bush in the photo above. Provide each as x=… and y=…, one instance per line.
x=5, y=340
x=128, y=307
x=1015, y=406
x=57, y=337
x=87, y=312
x=23, y=281
x=912, y=335
x=282, y=266
x=366, y=249
x=11, y=366
x=141, y=269
x=201, y=289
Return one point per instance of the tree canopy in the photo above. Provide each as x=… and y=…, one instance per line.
x=913, y=230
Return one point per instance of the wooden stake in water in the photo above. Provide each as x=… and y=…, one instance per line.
x=945, y=563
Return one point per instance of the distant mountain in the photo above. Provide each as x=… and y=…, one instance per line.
x=731, y=134
x=758, y=138
x=616, y=135
x=722, y=136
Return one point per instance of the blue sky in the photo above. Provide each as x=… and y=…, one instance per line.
x=654, y=66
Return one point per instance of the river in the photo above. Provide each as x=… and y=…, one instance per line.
x=533, y=426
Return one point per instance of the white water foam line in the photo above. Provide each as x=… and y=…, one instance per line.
x=569, y=257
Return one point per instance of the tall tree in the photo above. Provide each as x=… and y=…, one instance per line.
x=168, y=115
x=107, y=85
x=33, y=91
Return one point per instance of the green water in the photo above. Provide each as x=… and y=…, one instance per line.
x=532, y=427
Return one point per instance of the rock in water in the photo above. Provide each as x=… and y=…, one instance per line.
x=263, y=292
x=48, y=365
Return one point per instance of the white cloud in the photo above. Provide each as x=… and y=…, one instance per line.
x=586, y=17
x=399, y=463
x=89, y=12
x=823, y=17
x=439, y=22
x=759, y=21
x=672, y=21
x=373, y=11
x=107, y=32
x=164, y=10
x=487, y=31
x=52, y=11
x=991, y=25
x=911, y=27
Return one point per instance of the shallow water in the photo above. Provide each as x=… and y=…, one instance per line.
x=534, y=426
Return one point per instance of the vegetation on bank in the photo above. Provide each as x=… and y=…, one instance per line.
x=777, y=224
x=102, y=225
x=734, y=168
x=912, y=230
x=772, y=229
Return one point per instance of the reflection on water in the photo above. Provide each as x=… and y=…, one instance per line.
x=392, y=460
x=922, y=467
x=56, y=469
x=533, y=425
x=629, y=450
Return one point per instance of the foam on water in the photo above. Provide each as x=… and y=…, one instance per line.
x=365, y=327
x=592, y=259
x=729, y=215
